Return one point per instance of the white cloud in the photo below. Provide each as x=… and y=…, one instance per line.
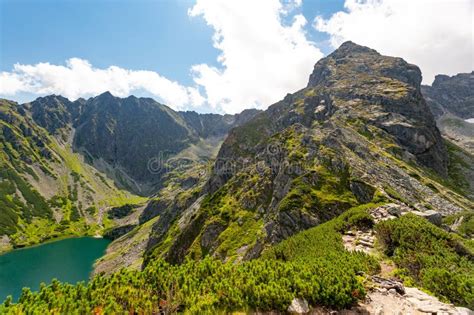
x=80, y=79
x=436, y=35
x=261, y=58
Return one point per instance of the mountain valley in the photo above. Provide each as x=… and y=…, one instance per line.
x=216, y=201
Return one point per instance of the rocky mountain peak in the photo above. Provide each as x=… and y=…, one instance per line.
x=385, y=91
x=106, y=94
x=352, y=61
x=349, y=48
x=466, y=79
x=451, y=94
x=54, y=112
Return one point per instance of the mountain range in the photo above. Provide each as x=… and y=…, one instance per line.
x=177, y=186
x=67, y=162
x=451, y=100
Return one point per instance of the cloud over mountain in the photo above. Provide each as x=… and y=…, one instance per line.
x=261, y=58
x=78, y=78
x=436, y=35
x=265, y=52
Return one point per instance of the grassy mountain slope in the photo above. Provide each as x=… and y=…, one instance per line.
x=312, y=264
x=360, y=132
x=46, y=190
x=65, y=164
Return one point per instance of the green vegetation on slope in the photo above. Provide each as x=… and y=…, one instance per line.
x=325, y=242
x=323, y=273
x=46, y=190
x=430, y=257
x=466, y=224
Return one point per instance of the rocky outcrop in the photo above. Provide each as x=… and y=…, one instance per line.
x=451, y=100
x=412, y=301
x=115, y=233
x=359, y=132
x=359, y=241
x=132, y=139
x=453, y=95
x=430, y=215
x=298, y=306
x=362, y=191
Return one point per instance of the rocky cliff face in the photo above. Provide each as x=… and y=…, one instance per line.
x=451, y=99
x=64, y=163
x=46, y=190
x=121, y=136
x=360, y=132
x=454, y=95
x=129, y=138
x=54, y=113
x=386, y=91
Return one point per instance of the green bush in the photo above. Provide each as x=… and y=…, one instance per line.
x=466, y=228
x=311, y=265
x=435, y=259
x=198, y=286
x=325, y=242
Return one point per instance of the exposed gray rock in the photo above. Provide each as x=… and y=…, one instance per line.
x=298, y=306
x=388, y=284
x=388, y=211
x=430, y=215
x=426, y=303
x=210, y=235
x=464, y=311
x=362, y=191
x=451, y=94
x=119, y=231
x=414, y=302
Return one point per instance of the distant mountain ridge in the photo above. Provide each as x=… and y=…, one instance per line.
x=451, y=100
x=65, y=163
x=121, y=135
x=453, y=95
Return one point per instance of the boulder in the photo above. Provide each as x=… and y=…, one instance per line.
x=430, y=215
x=463, y=311
x=362, y=191
x=425, y=303
x=298, y=306
x=394, y=210
x=388, y=284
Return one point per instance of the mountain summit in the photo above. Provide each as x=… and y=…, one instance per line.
x=359, y=133
x=386, y=90
x=279, y=220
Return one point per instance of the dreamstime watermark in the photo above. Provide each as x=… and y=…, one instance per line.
x=271, y=160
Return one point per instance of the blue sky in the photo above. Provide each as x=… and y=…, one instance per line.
x=177, y=48
x=140, y=34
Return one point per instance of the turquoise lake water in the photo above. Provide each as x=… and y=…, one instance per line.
x=68, y=260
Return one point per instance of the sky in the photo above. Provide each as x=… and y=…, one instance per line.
x=214, y=55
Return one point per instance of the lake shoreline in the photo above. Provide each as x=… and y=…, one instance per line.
x=50, y=240
x=68, y=259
